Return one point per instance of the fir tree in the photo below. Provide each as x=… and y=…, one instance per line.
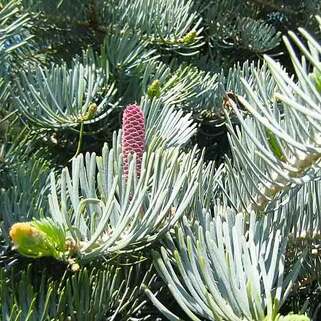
x=112, y=112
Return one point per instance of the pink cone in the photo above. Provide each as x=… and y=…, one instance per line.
x=133, y=136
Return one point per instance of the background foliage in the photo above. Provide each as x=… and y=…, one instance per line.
x=237, y=239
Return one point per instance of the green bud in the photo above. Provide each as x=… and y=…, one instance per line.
x=37, y=239
x=90, y=113
x=274, y=145
x=154, y=89
x=28, y=240
x=189, y=38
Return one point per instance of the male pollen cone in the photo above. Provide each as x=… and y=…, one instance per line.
x=133, y=136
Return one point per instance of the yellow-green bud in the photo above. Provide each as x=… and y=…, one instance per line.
x=154, y=89
x=189, y=38
x=41, y=238
x=29, y=241
x=90, y=113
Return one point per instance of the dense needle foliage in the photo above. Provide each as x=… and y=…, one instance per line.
x=160, y=160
